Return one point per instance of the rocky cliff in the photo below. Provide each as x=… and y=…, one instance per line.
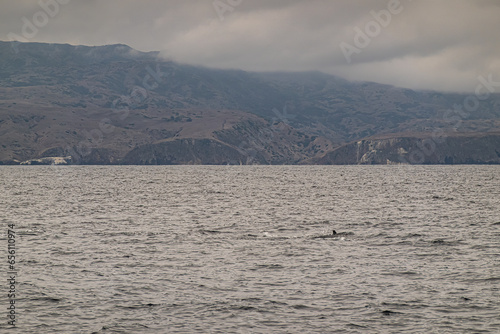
x=469, y=148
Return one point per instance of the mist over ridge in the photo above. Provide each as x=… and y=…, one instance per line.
x=113, y=104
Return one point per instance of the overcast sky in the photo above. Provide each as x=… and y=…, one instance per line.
x=426, y=44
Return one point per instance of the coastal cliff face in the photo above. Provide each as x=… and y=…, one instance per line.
x=449, y=149
x=247, y=143
x=184, y=152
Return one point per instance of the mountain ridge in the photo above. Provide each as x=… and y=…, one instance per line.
x=99, y=104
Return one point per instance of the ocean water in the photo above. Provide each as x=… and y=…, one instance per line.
x=238, y=249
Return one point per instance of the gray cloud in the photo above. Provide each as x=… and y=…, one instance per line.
x=427, y=44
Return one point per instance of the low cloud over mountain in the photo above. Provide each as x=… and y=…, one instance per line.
x=113, y=104
x=439, y=45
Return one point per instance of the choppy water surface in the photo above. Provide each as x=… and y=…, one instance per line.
x=234, y=249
